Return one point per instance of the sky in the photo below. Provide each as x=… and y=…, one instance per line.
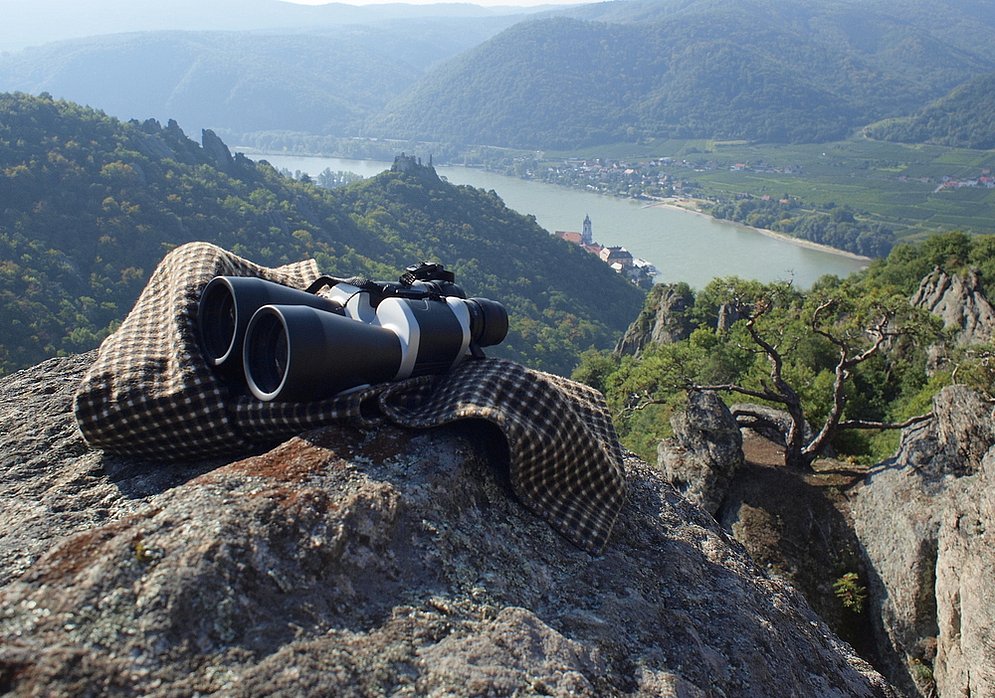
x=486, y=3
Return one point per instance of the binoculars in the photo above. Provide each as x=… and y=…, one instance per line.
x=287, y=344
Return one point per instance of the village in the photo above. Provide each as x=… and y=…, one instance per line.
x=659, y=179
x=638, y=271
x=984, y=181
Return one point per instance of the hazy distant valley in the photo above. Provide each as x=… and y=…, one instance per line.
x=632, y=71
x=627, y=83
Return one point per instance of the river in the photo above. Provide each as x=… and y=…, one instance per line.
x=682, y=245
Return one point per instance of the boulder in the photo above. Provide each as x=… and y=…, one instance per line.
x=705, y=451
x=368, y=562
x=960, y=302
x=766, y=422
x=921, y=520
x=792, y=522
x=663, y=320
x=729, y=315
x=217, y=152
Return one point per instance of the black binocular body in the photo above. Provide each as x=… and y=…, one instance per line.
x=288, y=344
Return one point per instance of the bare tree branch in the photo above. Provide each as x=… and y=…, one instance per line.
x=733, y=388
x=865, y=424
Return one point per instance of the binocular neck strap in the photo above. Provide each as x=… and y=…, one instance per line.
x=329, y=281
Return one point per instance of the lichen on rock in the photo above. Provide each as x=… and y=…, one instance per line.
x=383, y=562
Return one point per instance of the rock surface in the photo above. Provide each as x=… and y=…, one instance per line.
x=916, y=531
x=217, y=151
x=794, y=523
x=704, y=453
x=663, y=320
x=767, y=422
x=923, y=519
x=960, y=303
x=368, y=563
x=729, y=315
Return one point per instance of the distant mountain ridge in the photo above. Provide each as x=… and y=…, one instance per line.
x=215, y=79
x=328, y=81
x=91, y=204
x=964, y=118
x=35, y=22
x=565, y=78
x=789, y=71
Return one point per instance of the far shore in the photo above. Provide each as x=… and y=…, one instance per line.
x=692, y=206
x=687, y=205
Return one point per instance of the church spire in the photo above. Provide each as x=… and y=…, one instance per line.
x=588, y=235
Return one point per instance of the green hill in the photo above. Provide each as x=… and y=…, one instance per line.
x=784, y=71
x=965, y=118
x=36, y=22
x=324, y=81
x=215, y=79
x=810, y=332
x=789, y=71
x=91, y=204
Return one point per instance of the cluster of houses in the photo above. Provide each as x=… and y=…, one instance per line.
x=984, y=181
x=639, y=271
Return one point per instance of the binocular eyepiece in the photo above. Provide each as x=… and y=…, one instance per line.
x=287, y=344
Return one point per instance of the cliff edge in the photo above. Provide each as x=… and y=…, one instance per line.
x=360, y=563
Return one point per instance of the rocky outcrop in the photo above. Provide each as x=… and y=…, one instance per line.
x=705, y=451
x=960, y=302
x=348, y=562
x=915, y=531
x=729, y=315
x=217, y=152
x=663, y=320
x=922, y=519
x=792, y=522
x=767, y=422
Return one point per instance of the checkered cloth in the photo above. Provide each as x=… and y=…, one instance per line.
x=151, y=394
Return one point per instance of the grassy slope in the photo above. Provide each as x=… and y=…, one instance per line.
x=862, y=173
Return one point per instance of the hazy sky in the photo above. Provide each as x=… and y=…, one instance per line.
x=488, y=3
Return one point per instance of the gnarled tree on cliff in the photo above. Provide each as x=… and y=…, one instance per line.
x=796, y=351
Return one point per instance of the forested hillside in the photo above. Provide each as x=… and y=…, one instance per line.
x=319, y=82
x=965, y=118
x=791, y=71
x=35, y=22
x=727, y=322
x=90, y=205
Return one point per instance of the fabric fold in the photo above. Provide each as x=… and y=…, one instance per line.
x=151, y=394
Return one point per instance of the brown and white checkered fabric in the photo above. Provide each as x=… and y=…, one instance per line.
x=151, y=394
x=566, y=462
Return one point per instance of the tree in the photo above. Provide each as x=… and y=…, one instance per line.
x=804, y=352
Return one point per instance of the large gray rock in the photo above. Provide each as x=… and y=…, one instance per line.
x=218, y=153
x=361, y=563
x=793, y=522
x=767, y=422
x=922, y=521
x=960, y=303
x=705, y=451
x=729, y=315
x=663, y=320
x=965, y=588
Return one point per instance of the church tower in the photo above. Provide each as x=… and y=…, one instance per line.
x=588, y=235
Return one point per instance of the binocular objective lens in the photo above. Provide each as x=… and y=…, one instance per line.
x=267, y=355
x=217, y=321
x=488, y=321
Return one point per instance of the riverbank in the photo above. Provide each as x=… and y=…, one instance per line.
x=693, y=206
x=369, y=168
x=690, y=248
